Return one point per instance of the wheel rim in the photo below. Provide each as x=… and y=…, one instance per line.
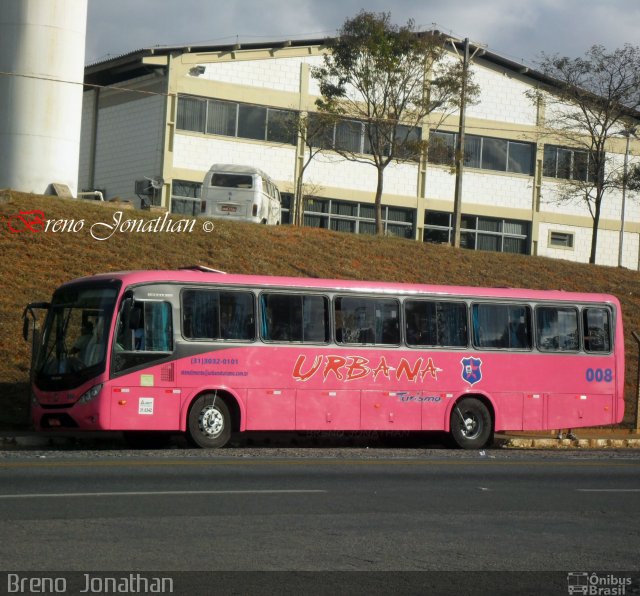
x=470, y=425
x=211, y=421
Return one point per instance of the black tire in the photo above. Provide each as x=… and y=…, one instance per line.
x=209, y=422
x=471, y=424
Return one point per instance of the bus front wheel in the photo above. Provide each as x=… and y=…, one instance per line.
x=209, y=423
x=471, y=424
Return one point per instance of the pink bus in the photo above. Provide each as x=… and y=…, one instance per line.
x=205, y=353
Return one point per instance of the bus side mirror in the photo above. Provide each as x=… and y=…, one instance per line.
x=25, y=328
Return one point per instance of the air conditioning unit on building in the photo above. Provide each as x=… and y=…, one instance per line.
x=149, y=187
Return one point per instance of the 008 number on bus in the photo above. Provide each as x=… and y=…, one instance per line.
x=599, y=374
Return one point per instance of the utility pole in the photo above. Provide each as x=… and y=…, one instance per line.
x=457, y=201
x=627, y=132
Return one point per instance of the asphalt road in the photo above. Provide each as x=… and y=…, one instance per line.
x=461, y=516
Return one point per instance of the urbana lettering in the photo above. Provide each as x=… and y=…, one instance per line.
x=354, y=368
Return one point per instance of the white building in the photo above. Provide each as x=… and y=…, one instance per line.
x=155, y=120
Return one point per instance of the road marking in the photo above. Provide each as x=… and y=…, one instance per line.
x=303, y=461
x=311, y=461
x=608, y=490
x=160, y=493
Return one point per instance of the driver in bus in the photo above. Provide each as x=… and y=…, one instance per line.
x=86, y=332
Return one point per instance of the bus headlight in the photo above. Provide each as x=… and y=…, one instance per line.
x=90, y=395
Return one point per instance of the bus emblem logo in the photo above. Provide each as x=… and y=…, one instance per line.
x=471, y=371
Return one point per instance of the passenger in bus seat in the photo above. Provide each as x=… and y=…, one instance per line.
x=366, y=336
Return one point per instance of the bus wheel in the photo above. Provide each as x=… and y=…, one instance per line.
x=471, y=424
x=209, y=423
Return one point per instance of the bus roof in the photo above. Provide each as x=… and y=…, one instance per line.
x=202, y=275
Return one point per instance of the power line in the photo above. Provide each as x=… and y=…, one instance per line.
x=83, y=84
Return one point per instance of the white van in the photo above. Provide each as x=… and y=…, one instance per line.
x=241, y=193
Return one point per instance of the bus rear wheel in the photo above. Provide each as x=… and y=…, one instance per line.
x=471, y=424
x=209, y=423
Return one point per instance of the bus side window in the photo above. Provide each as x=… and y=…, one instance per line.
x=556, y=328
x=431, y=323
x=367, y=320
x=295, y=318
x=502, y=326
x=136, y=324
x=156, y=334
x=212, y=315
x=145, y=333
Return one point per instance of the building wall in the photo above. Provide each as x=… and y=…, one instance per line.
x=129, y=141
x=281, y=74
x=481, y=189
x=502, y=97
x=197, y=153
x=330, y=171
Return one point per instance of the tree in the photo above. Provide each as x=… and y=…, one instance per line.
x=310, y=127
x=587, y=101
x=633, y=179
x=382, y=81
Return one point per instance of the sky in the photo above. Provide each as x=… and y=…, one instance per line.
x=520, y=30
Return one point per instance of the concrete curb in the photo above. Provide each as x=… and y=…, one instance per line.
x=594, y=443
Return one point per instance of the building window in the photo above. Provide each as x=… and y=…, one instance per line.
x=478, y=233
x=352, y=136
x=357, y=218
x=185, y=197
x=565, y=163
x=222, y=118
x=487, y=153
x=282, y=126
x=192, y=114
x=560, y=239
x=286, y=202
x=232, y=119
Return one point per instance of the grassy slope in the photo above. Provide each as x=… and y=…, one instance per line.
x=33, y=264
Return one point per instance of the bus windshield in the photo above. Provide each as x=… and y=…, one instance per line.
x=75, y=335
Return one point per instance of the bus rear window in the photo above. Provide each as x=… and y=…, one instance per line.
x=597, y=335
x=232, y=181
